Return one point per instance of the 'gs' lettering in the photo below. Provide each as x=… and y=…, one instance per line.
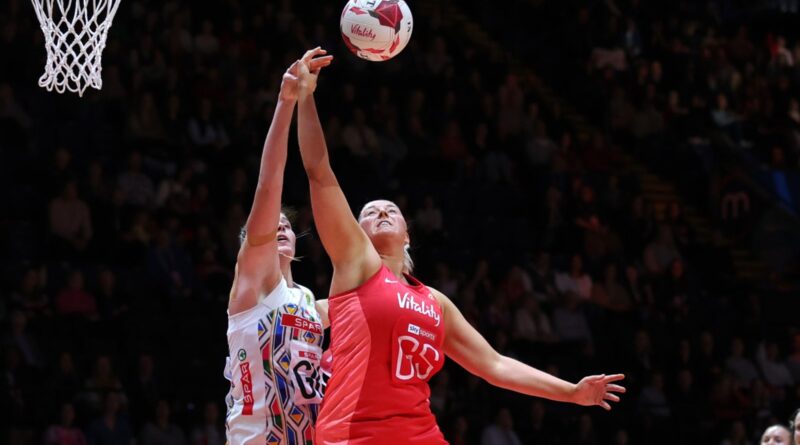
x=410, y=356
x=305, y=373
x=247, y=389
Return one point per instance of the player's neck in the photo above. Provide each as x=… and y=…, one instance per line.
x=396, y=264
x=286, y=271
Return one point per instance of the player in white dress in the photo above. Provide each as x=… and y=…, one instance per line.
x=275, y=332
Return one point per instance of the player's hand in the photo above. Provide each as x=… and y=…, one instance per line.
x=308, y=70
x=289, y=83
x=598, y=390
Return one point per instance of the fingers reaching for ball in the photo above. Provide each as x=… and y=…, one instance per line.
x=308, y=69
x=316, y=59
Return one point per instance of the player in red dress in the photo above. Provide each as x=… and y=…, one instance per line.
x=389, y=332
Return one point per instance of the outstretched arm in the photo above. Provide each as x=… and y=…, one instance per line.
x=352, y=254
x=470, y=350
x=257, y=265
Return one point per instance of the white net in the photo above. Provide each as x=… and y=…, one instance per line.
x=75, y=35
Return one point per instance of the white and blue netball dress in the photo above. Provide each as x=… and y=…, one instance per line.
x=274, y=369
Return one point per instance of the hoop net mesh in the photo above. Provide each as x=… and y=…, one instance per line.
x=75, y=35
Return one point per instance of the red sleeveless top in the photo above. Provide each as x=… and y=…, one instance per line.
x=386, y=342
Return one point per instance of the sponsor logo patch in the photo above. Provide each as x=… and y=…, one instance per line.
x=416, y=330
x=362, y=31
x=293, y=321
x=407, y=301
x=308, y=355
x=247, y=389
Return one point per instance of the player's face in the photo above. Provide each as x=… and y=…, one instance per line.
x=775, y=435
x=286, y=237
x=383, y=218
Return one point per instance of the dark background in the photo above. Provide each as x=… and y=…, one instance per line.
x=600, y=186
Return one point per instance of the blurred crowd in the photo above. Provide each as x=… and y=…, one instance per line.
x=121, y=215
x=706, y=93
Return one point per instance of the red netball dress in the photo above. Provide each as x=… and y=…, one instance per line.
x=386, y=342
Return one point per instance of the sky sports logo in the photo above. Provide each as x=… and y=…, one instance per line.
x=418, y=331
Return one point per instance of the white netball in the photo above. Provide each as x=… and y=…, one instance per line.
x=376, y=30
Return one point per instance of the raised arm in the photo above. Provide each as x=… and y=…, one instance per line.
x=352, y=254
x=469, y=349
x=257, y=265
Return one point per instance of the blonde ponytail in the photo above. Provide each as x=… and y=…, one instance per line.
x=408, y=262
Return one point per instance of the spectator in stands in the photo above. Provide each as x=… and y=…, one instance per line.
x=160, y=430
x=540, y=427
x=103, y=382
x=65, y=432
x=585, y=433
x=145, y=389
x=359, y=137
x=686, y=406
x=75, y=300
x=610, y=293
x=29, y=297
x=136, y=186
x=111, y=303
x=542, y=278
x=726, y=119
x=662, y=252
x=206, y=43
x=145, y=123
x=65, y=383
x=111, y=427
x=206, y=131
x=575, y=282
x=653, y=401
x=729, y=401
x=531, y=324
x=741, y=368
x=11, y=109
x=762, y=402
x=445, y=281
x=570, y=320
x=169, y=266
x=539, y=148
x=175, y=192
x=737, y=434
x=460, y=432
x=428, y=218
x=23, y=341
x=209, y=433
x=501, y=432
x=70, y=220
x=452, y=146
x=775, y=371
